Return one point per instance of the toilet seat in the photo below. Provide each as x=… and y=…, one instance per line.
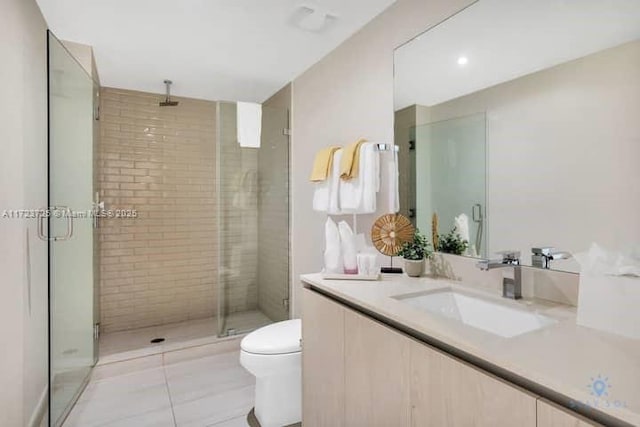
x=277, y=338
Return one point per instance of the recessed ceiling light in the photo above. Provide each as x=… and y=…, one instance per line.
x=463, y=60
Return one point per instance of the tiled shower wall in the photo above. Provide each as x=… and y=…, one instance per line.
x=160, y=267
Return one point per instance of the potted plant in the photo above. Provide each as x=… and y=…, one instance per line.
x=414, y=254
x=452, y=243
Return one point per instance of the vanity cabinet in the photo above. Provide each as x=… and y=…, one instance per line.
x=323, y=394
x=551, y=415
x=449, y=392
x=377, y=374
x=359, y=372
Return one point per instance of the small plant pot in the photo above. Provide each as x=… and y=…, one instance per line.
x=414, y=268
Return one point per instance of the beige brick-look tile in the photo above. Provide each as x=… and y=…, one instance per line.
x=163, y=266
x=158, y=267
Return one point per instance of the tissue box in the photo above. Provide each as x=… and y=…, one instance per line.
x=610, y=303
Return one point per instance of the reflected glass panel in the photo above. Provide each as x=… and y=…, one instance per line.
x=450, y=158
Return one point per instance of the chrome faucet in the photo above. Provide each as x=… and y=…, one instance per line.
x=512, y=280
x=541, y=257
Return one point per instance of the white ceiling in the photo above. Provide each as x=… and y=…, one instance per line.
x=236, y=50
x=506, y=39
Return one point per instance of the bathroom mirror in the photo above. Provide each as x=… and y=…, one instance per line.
x=525, y=117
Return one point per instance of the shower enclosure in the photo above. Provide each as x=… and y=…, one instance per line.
x=207, y=254
x=73, y=298
x=253, y=223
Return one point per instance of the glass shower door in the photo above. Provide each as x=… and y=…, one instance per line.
x=70, y=229
x=273, y=215
x=253, y=223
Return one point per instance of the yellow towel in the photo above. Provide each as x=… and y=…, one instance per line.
x=350, y=162
x=322, y=164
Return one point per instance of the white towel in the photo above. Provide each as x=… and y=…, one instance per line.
x=358, y=195
x=249, y=124
x=392, y=176
x=321, y=195
x=333, y=262
x=348, y=245
x=351, y=191
x=325, y=195
x=462, y=227
x=334, y=189
x=372, y=183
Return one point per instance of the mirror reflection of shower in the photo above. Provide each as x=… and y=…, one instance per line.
x=478, y=218
x=444, y=173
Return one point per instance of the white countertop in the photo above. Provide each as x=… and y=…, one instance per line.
x=562, y=357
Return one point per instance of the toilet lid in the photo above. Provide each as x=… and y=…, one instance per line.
x=277, y=338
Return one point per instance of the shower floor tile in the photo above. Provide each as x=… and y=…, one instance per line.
x=125, y=345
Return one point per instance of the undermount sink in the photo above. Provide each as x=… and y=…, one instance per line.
x=493, y=317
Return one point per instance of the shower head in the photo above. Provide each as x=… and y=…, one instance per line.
x=167, y=101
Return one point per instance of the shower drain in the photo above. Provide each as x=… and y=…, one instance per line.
x=157, y=340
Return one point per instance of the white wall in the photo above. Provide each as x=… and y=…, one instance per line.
x=563, y=149
x=348, y=94
x=23, y=174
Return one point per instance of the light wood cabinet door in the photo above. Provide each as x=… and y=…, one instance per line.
x=322, y=361
x=377, y=373
x=449, y=392
x=551, y=415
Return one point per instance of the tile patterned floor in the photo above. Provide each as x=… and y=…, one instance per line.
x=125, y=345
x=196, y=387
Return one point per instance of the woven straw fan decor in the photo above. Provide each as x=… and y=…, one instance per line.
x=390, y=231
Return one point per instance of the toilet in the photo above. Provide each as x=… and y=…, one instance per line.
x=273, y=355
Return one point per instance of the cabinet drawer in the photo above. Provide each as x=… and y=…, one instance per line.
x=322, y=361
x=376, y=374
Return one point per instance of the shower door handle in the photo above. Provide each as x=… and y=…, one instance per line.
x=69, y=232
x=98, y=207
x=478, y=218
x=476, y=213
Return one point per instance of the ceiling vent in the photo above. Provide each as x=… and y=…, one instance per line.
x=313, y=18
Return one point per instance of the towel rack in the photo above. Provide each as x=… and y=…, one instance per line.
x=381, y=146
x=387, y=147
